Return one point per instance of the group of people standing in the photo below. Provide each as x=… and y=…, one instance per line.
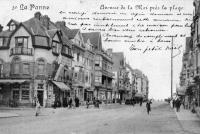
x=176, y=103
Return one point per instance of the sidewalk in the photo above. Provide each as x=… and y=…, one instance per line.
x=7, y=115
x=189, y=121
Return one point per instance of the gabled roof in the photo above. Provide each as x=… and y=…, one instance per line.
x=65, y=31
x=95, y=38
x=72, y=33
x=35, y=27
x=128, y=66
x=52, y=32
x=14, y=21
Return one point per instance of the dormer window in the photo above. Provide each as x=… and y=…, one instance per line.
x=55, y=47
x=12, y=27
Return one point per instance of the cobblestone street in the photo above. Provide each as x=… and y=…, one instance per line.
x=109, y=119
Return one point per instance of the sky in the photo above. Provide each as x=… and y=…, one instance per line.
x=155, y=65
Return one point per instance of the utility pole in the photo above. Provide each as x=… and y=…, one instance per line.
x=172, y=68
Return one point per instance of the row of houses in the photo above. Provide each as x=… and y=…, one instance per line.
x=190, y=73
x=48, y=61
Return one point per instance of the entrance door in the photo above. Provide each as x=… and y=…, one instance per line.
x=40, y=97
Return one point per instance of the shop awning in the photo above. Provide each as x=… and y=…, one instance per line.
x=139, y=95
x=181, y=91
x=12, y=81
x=61, y=85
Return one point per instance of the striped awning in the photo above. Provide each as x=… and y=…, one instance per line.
x=12, y=81
x=61, y=85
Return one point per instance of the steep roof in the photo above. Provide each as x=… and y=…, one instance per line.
x=95, y=39
x=65, y=31
x=35, y=27
x=128, y=66
x=138, y=72
x=72, y=33
x=5, y=33
x=14, y=21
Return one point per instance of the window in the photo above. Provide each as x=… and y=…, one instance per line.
x=25, y=94
x=78, y=56
x=1, y=68
x=40, y=86
x=1, y=42
x=26, y=68
x=41, y=66
x=15, y=94
x=12, y=27
x=55, y=47
x=21, y=42
x=16, y=66
x=76, y=75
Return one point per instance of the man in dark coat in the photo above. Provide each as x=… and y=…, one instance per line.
x=148, y=106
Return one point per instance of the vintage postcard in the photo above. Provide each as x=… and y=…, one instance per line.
x=99, y=66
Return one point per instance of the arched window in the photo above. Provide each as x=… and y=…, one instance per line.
x=1, y=68
x=41, y=66
x=16, y=65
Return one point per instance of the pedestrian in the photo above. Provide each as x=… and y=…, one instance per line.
x=148, y=106
x=70, y=102
x=173, y=103
x=178, y=104
x=37, y=108
x=88, y=102
x=141, y=100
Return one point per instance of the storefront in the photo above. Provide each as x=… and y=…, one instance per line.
x=88, y=94
x=16, y=93
x=60, y=91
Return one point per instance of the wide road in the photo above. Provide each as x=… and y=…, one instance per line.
x=110, y=119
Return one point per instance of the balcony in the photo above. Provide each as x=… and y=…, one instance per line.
x=21, y=51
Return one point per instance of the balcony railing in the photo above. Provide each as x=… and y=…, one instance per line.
x=21, y=51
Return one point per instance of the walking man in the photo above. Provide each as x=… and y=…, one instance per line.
x=148, y=106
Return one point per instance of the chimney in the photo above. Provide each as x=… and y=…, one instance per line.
x=45, y=21
x=1, y=28
x=37, y=15
x=61, y=23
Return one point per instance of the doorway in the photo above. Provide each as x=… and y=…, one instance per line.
x=40, y=97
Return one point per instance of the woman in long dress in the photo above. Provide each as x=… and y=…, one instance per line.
x=37, y=108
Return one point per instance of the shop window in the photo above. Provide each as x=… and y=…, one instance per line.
x=25, y=94
x=15, y=94
x=40, y=86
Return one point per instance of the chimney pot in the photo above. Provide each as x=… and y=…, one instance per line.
x=45, y=21
x=37, y=15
